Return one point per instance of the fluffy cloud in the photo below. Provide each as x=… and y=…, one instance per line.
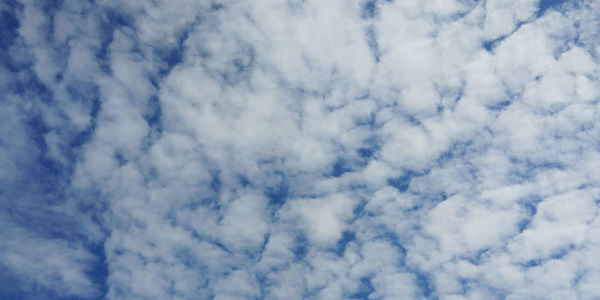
x=299, y=149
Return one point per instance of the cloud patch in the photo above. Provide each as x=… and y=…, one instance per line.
x=327, y=150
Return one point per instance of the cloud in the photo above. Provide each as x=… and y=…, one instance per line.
x=299, y=149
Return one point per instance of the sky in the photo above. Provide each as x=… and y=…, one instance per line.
x=300, y=149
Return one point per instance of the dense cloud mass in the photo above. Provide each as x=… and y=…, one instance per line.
x=406, y=149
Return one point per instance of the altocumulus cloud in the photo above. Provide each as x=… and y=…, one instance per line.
x=440, y=149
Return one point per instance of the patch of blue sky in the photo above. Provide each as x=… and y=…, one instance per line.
x=340, y=167
x=301, y=247
x=545, y=5
x=369, y=9
x=172, y=56
x=98, y=271
x=110, y=20
x=424, y=284
x=342, y=243
x=153, y=117
x=492, y=44
x=365, y=289
x=278, y=191
x=89, y=96
x=371, y=39
x=477, y=257
x=393, y=239
x=402, y=183
x=9, y=25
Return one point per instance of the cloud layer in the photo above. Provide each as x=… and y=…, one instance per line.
x=299, y=149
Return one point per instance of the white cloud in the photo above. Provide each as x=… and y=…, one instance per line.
x=374, y=149
x=324, y=218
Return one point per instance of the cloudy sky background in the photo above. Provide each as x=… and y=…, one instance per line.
x=407, y=149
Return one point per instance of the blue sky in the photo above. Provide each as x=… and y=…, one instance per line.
x=442, y=149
